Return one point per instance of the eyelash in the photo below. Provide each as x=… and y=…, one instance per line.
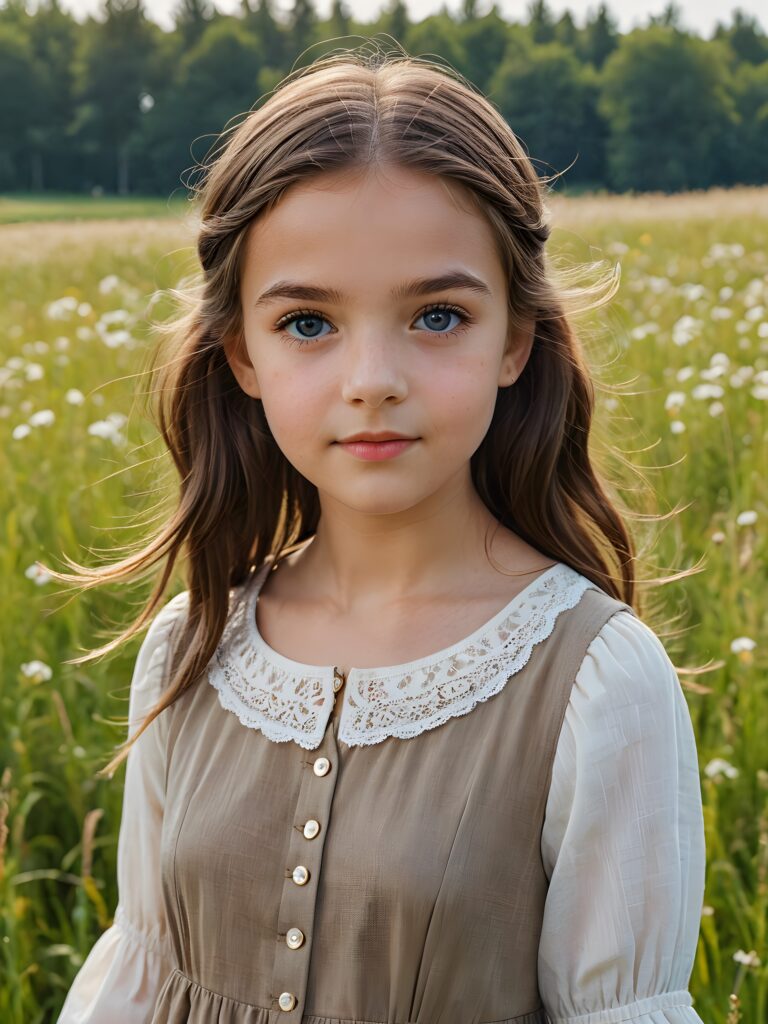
x=299, y=314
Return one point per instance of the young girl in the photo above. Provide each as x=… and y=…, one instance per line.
x=403, y=751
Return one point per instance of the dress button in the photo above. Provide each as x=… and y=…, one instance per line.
x=287, y=1000
x=321, y=766
x=311, y=829
x=300, y=875
x=294, y=938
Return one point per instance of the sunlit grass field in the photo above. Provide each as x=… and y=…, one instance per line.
x=680, y=357
x=21, y=208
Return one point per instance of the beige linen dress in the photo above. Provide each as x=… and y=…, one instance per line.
x=385, y=864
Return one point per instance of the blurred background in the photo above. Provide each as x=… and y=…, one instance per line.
x=124, y=100
x=654, y=119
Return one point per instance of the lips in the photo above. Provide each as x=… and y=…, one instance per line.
x=373, y=438
x=377, y=451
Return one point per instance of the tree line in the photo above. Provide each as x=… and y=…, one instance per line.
x=117, y=104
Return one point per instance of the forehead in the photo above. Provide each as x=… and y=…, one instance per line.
x=387, y=221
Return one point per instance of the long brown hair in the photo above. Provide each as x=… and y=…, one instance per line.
x=240, y=499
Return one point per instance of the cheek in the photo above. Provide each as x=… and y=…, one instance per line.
x=461, y=396
x=293, y=403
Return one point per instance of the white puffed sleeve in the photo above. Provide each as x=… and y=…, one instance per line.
x=623, y=840
x=127, y=965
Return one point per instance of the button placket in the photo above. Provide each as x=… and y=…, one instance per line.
x=319, y=772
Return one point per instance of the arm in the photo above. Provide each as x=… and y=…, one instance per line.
x=127, y=965
x=623, y=841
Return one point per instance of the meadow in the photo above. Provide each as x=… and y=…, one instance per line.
x=680, y=359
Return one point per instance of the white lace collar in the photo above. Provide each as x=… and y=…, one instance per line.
x=287, y=700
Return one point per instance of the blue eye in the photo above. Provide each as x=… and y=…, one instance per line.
x=437, y=316
x=303, y=318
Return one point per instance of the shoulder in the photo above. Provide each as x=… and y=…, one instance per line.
x=150, y=667
x=164, y=625
x=627, y=691
x=627, y=648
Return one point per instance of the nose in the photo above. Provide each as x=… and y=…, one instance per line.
x=372, y=370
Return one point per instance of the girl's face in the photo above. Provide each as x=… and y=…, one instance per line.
x=376, y=302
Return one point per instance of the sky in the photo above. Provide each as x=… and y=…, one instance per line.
x=699, y=16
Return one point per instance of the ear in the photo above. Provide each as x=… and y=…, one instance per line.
x=241, y=365
x=519, y=345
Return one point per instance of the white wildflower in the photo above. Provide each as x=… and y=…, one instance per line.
x=751, y=959
x=109, y=283
x=685, y=330
x=34, y=371
x=677, y=426
x=74, y=396
x=37, y=671
x=42, y=418
x=21, y=431
x=115, y=339
x=723, y=251
x=705, y=391
x=713, y=372
x=716, y=409
x=742, y=643
x=692, y=292
x=674, y=400
x=60, y=309
x=109, y=428
x=38, y=574
x=656, y=284
x=638, y=333
x=113, y=316
x=719, y=766
x=747, y=518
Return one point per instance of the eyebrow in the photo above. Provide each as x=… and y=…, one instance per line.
x=451, y=279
